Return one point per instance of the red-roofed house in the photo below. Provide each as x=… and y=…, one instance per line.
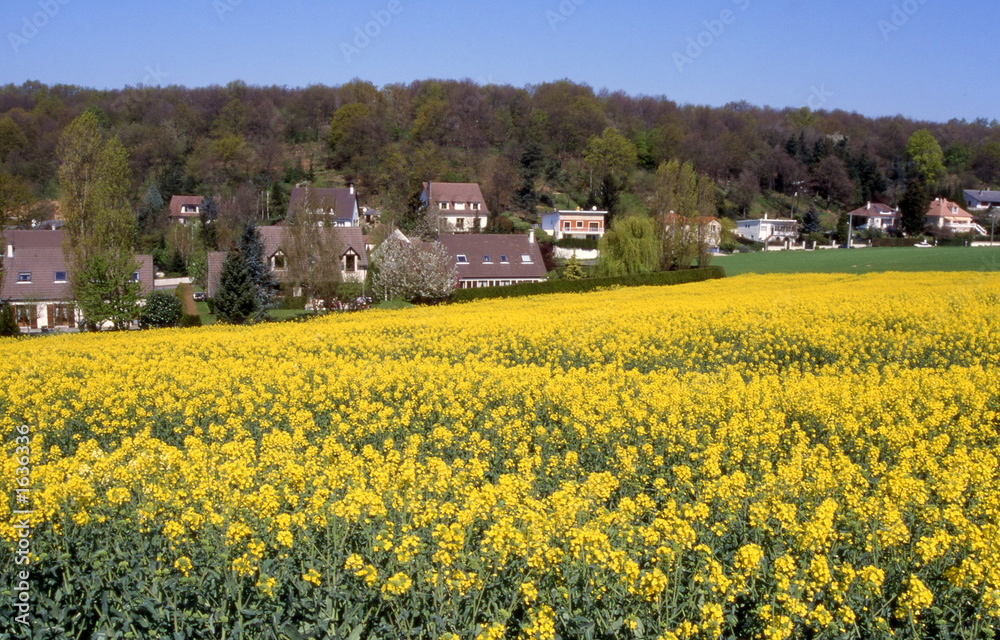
x=875, y=215
x=185, y=209
x=494, y=260
x=459, y=204
x=945, y=214
x=36, y=280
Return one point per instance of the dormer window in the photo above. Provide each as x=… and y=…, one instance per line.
x=351, y=262
x=503, y=260
x=463, y=260
x=444, y=206
x=135, y=276
x=59, y=277
x=475, y=206
x=24, y=276
x=278, y=262
x=487, y=260
x=525, y=258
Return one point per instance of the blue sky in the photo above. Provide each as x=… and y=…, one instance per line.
x=925, y=59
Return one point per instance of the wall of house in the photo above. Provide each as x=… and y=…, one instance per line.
x=480, y=283
x=44, y=314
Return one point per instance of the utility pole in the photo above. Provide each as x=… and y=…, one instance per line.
x=993, y=221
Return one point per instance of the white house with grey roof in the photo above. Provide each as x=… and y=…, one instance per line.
x=982, y=200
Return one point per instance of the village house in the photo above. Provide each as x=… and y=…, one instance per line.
x=341, y=205
x=875, y=215
x=353, y=255
x=579, y=224
x=768, y=230
x=711, y=227
x=186, y=209
x=494, y=260
x=460, y=206
x=945, y=214
x=36, y=280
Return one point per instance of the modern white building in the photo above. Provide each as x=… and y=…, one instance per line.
x=580, y=224
x=768, y=230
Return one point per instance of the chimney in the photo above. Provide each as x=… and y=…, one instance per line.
x=868, y=208
x=10, y=250
x=351, y=188
x=765, y=216
x=531, y=236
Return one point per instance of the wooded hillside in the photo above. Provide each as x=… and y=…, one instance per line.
x=553, y=144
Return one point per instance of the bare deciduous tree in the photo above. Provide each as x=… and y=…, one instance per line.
x=312, y=256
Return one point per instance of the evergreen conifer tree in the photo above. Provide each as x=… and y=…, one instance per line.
x=8, y=323
x=236, y=299
x=209, y=215
x=913, y=207
x=150, y=211
x=252, y=249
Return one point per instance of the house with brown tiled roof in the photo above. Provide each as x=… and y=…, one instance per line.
x=875, y=215
x=341, y=205
x=353, y=256
x=945, y=214
x=185, y=209
x=494, y=260
x=36, y=280
x=459, y=206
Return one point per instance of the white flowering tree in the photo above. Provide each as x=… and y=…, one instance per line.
x=414, y=271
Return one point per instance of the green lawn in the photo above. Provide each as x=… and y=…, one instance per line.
x=276, y=314
x=863, y=260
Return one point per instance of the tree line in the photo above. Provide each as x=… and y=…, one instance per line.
x=556, y=143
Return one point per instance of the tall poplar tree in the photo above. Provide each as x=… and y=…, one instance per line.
x=100, y=225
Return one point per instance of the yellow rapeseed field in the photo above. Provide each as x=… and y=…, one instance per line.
x=760, y=457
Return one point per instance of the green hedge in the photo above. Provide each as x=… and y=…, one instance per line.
x=658, y=279
x=896, y=242
x=188, y=321
x=577, y=243
x=292, y=303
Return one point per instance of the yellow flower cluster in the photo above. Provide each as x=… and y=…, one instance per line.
x=759, y=456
